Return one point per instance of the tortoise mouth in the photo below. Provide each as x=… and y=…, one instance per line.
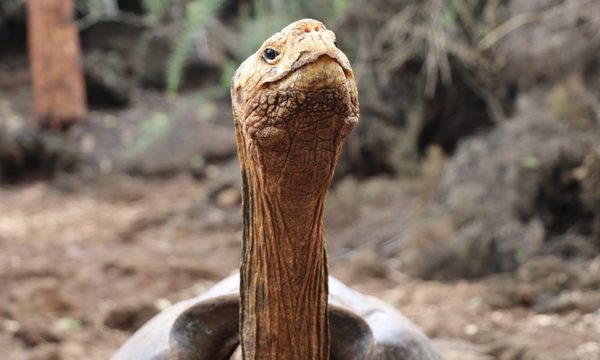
x=323, y=73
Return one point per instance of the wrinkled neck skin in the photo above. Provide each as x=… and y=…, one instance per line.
x=289, y=132
x=284, y=272
x=284, y=265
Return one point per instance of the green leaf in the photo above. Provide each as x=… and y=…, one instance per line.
x=153, y=129
x=156, y=8
x=197, y=14
x=68, y=324
x=520, y=255
x=530, y=162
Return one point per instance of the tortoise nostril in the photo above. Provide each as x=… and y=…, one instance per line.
x=311, y=27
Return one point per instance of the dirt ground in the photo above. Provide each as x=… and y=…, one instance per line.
x=82, y=269
x=85, y=261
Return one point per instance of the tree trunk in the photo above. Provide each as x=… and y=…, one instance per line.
x=55, y=60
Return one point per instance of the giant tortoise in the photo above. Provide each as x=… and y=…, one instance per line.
x=294, y=102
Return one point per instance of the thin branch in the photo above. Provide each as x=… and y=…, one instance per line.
x=523, y=19
x=506, y=28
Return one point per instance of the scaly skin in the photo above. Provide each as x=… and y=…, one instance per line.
x=292, y=112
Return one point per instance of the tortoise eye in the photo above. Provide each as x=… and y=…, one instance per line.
x=270, y=54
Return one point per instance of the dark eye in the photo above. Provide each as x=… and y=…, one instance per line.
x=270, y=54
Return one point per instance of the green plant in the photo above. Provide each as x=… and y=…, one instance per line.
x=156, y=8
x=449, y=14
x=520, y=255
x=153, y=129
x=228, y=71
x=197, y=14
x=530, y=162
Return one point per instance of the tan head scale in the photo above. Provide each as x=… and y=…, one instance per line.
x=296, y=79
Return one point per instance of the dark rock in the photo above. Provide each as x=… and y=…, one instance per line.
x=182, y=143
x=107, y=83
x=28, y=154
x=506, y=292
x=129, y=317
x=518, y=174
x=32, y=336
x=370, y=148
x=152, y=58
x=548, y=284
x=582, y=301
x=115, y=36
x=202, y=65
x=512, y=195
x=550, y=271
x=132, y=6
x=454, y=113
x=13, y=32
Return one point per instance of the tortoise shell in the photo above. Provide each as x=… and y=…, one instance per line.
x=207, y=328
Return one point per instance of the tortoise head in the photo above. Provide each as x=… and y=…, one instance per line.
x=294, y=102
x=275, y=64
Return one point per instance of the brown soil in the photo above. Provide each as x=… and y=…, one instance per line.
x=80, y=270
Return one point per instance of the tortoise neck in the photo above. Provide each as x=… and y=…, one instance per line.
x=283, y=277
x=284, y=267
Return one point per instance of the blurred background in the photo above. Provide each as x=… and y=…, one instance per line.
x=468, y=197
